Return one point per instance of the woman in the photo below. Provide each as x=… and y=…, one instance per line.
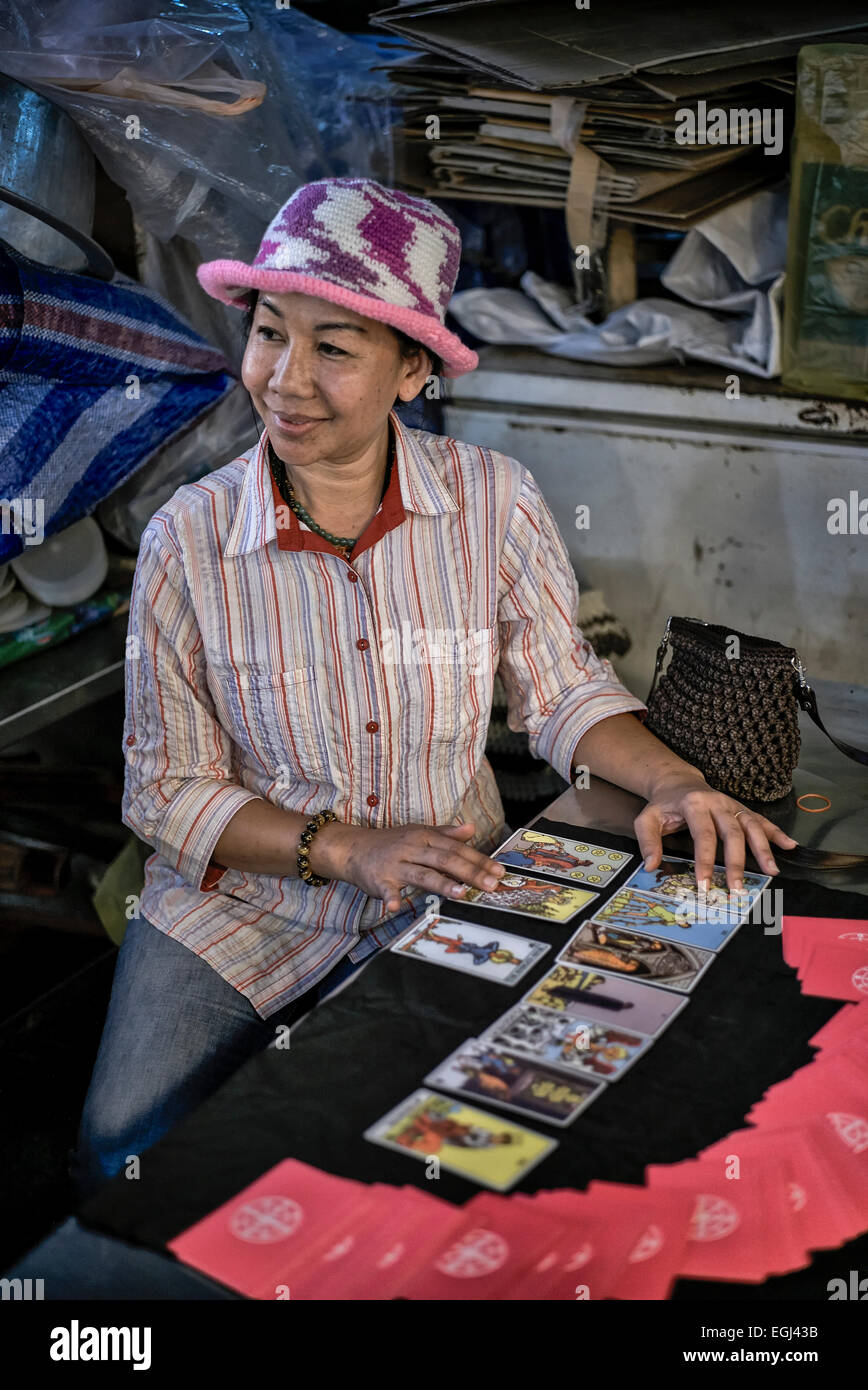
x=316, y=630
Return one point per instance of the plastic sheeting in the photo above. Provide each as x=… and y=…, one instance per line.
x=209, y=116
x=729, y=268
x=227, y=431
x=145, y=83
x=94, y=379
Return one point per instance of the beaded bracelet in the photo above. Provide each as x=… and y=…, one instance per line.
x=305, y=872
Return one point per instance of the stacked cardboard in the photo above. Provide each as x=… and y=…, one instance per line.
x=499, y=104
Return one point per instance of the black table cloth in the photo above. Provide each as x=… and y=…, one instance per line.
x=362, y=1052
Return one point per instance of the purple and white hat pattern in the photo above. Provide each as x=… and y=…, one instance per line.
x=382, y=253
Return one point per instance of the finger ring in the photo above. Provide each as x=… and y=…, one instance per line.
x=741, y=813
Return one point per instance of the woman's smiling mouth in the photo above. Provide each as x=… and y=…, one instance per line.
x=296, y=424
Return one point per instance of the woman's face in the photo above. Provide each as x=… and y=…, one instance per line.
x=323, y=378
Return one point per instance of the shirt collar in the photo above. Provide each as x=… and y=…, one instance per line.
x=422, y=490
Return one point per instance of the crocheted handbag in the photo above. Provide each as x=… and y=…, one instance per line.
x=728, y=704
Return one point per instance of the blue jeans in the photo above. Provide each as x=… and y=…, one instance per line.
x=75, y=1263
x=174, y=1032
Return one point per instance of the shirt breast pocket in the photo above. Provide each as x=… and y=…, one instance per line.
x=464, y=688
x=281, y=719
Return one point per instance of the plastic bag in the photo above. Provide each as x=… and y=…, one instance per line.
x=826, y=324
x=84, y=406
x=169, y=268
x=227, y=431
x=730, y=266
x=218, y=179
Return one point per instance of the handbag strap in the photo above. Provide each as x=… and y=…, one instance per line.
x=661, y=656
x=808, y=702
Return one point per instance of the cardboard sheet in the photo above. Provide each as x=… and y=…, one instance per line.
x=553, y=45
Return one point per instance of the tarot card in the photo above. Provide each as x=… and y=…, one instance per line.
x=554, y=854
x=669, y=918
x=256, y=1237
x=674, y=882
x=647, y=958
x=486, y=1255
x=565, y=1043
x=532, y=897
x=592, y=995
x=487, y=1149
x=479, y=1070
x=490, y=955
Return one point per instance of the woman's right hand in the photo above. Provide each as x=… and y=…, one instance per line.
x=384, y=862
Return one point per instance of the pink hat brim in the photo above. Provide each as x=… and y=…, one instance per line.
x=229, y=281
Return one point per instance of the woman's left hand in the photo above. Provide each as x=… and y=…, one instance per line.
x=689, y=801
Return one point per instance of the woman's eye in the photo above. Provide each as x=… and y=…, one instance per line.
x=332, y=350
x=263, y=331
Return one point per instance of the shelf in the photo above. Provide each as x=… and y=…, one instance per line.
x=47, y=686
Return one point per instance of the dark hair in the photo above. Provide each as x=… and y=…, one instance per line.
x=407, y=346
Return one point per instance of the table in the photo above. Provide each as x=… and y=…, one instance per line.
x=369, y=1046
x=362, y=1051
x=843, y=827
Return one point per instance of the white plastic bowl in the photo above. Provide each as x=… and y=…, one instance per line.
x=66, y=568
x=32, y=612
x=13, y=610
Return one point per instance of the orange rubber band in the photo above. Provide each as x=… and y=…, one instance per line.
x=813, y=810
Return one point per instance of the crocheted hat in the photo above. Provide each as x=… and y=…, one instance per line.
x=384, y=254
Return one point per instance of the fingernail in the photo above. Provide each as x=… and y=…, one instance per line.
x=738, y=886
x=703, y=885
x=491, y=881
x=646, y=864
x=458, y=889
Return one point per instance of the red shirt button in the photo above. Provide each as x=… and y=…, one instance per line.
x=353, y=577
x=373, y=799
x=363, y=644
x=131, y=740
x=372, y=726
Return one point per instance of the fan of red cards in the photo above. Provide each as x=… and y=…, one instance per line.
x=752, y=1205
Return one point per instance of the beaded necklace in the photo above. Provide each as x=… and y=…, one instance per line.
x=284, y=487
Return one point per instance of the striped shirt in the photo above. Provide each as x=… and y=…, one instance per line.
x=263, y=664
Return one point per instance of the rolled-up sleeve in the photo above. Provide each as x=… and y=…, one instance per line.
x=557, y=688
x=179, y=794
